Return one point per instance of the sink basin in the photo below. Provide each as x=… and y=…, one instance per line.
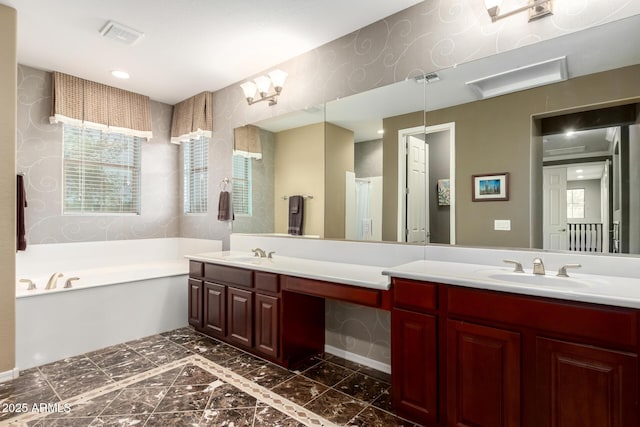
x=245, y=259
x=539, y=280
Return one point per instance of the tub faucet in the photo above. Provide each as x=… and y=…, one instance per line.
x=538, y=266
x=53, y=281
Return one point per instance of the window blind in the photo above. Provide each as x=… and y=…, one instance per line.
x=196, y=171
x=575, y=203
x=241, y=185
x=101, y=172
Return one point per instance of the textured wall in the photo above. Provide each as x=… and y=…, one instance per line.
x=262, y=184
x=299, y=169
x=368, y=158
x=40, y=159
x=8, y=64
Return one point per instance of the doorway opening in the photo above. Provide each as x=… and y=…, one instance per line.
x=586, y=179
x=426, y=184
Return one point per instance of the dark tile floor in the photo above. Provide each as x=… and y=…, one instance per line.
x=148, y=382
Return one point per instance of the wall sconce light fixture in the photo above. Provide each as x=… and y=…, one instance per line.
x=262, y=86
x=537, y=9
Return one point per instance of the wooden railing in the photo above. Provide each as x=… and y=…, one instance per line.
x=585, y=237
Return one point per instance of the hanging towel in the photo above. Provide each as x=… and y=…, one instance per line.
x=21, y=203
x=296, y=212
x=225, y=207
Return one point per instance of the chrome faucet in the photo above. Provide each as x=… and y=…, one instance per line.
x=517, y=267
x=31, y=283
x=259, y=252
x=53, y=281
x=538, y=266
x=562, y=272
x=67, y=284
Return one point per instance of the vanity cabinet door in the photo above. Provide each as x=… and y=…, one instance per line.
x=585, y=385
x=267, y=315
x=414, y=365
x=214, y=309
x=483, y=376
x=240, y=316
x=195, y=303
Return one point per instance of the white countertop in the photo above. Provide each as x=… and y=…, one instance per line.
x=592, y=288
x=609, y=290
x=337, y=272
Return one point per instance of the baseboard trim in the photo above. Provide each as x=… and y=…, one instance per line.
x=353, y=357
x=9, y=375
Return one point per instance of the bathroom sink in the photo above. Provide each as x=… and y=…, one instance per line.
x=539, y=280
x=244, y=259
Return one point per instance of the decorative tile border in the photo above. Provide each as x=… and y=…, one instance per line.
x=262, y=394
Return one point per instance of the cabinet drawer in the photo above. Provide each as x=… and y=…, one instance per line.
x=266, y=282
x=352, y=294
x=610, y=325
x=196, y=269
x=414, y=295
x=228, y=275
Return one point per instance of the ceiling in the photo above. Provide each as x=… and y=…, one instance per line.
x=189, y=45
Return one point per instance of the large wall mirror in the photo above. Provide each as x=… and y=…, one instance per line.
x=575, y=110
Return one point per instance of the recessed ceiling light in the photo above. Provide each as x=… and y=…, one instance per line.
x=580, y=176
x=570, y=133
x=120, y=74
x=381, y=131
x=579, y=171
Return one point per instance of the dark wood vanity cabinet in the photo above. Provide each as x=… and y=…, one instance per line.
x=469, y=357
x=483, y=375
x=214, y=304
x=585, y=385
x=194, y=299
x=414, y=350
x=245, y=308
x=240, y=316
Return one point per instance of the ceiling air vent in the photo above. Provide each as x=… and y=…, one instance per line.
x=121, y=33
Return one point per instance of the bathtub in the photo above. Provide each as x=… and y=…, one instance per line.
x=126, y=290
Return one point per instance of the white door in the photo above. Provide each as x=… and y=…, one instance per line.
x=604, y=207
x=554, y=216
x=417, y=193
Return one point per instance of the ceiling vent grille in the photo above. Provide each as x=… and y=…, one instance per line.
x=121, y=33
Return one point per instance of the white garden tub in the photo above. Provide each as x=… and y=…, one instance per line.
x=126, y=290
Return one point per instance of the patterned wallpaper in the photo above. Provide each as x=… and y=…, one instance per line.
x=39, y=157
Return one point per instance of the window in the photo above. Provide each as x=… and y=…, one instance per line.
x=101, y=172
x=575, y=203
x=241, y=185
x=196, y=173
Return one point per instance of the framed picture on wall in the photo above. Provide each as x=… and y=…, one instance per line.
x=490, y=187
x=444, y=192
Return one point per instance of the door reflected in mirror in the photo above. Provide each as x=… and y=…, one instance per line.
x=588, y=205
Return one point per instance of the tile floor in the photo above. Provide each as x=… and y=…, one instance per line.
x=182, y=378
